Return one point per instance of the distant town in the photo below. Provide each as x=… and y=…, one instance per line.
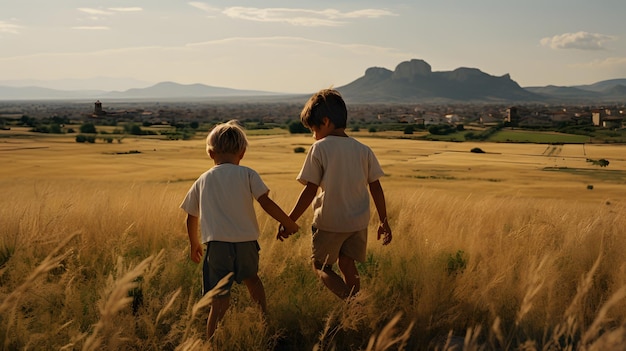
x=54, y=116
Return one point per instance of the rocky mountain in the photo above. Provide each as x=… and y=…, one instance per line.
x=414, y=81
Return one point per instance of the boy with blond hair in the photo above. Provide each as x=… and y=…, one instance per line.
x=344, y=169
x=220, y=204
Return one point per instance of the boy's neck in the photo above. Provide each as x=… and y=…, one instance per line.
x=220, y=159
x=340, y=132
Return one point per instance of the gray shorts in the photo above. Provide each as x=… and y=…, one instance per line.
x=328, y=245
x=221, y=258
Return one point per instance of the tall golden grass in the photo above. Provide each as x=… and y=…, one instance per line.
x=101, y=264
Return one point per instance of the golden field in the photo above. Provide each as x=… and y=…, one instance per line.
x=504, y=250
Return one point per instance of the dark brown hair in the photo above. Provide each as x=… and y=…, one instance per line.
x=324, y=103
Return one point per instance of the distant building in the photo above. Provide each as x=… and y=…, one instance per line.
x=97, y=109
x=603, y=118
x=453, y=118
x=512, y=114
x=489, y=119
x=612, y=122
x=596, y=117
x=433, y=118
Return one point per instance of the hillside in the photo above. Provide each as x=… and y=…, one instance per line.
x=414, y=81
x=171, y=90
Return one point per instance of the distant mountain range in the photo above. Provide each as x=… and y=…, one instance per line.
x=163, y=90
x=411, y=82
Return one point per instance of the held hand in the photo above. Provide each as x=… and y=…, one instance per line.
x=285, y=232
x=384, y=231
x=282, y=233
x=196, y=252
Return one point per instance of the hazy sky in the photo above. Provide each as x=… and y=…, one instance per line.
x=302, y=46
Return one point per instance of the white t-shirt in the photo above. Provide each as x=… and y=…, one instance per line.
x=223, y=199
x=343, y=168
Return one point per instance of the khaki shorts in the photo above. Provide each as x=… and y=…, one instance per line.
x=221, y=258
x=328, y=245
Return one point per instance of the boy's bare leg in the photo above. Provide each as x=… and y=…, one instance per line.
x=332, y=280
x=257, y=292
x=219, y=306
x=350, y=274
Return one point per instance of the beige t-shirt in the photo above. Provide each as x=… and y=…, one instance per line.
x=223, y=199
x=343, y=168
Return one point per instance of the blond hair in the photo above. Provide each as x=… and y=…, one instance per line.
x=227, y=138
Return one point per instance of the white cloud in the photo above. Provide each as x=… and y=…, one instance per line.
x=93, y=11
x=204, y=7
x=368, y=13
x=293, y=16
x=99, y=15
x=9, y=28
x=290, y=16
x=302, y=17
x=294, y=43
x=578, y=40
x=109, y=11
x=91, y=28
x=126, y=9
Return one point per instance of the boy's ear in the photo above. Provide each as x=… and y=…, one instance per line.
x=326, y=121
x=243, y=152
x=212, y=154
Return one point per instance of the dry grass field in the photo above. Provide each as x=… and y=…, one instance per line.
x=507, y=250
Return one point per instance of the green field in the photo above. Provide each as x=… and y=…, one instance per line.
x=519, y=136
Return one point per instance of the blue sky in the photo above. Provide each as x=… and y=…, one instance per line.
x=302, y=46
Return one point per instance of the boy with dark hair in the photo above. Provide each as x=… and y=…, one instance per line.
x=344, y=169
x=219, y=203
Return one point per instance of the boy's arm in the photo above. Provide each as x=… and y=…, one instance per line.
x=306, y=197
x=379, y=201
x=277, y=213
x=196, y=250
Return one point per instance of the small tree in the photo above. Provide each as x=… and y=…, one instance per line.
x=296, y=127
x=136, y=130
x=603, y=162
x=56, y=129
x=88, y=128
